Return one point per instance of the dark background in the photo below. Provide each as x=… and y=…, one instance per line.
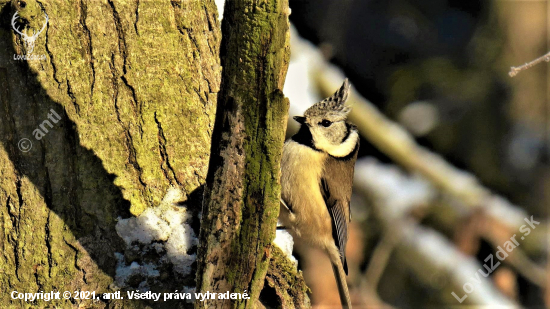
x=453, y=56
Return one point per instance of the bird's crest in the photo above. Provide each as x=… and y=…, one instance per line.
x=334, y=103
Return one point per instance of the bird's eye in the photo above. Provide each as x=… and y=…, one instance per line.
x=325, y=123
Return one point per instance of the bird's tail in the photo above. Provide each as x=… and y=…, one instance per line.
x=340, y=276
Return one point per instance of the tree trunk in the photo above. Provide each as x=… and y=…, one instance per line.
x=134, y=84
x=107, y=126
x=241, y=200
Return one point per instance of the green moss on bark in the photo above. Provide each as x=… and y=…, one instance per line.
x=242, y=192
x=135, y=83
x=284, y=283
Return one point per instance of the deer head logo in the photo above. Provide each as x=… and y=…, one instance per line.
x=28, y=40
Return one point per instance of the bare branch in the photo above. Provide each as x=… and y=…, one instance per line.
x=380, y=258
x=424, y=251
x=515, y=70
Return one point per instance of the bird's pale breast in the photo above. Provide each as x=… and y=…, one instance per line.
x=302, y=168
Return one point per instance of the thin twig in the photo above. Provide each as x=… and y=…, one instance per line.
x=515, y=70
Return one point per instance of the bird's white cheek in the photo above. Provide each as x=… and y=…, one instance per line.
x=340, y=150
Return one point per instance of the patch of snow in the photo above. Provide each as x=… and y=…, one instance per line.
x=285, y=242
x=124, y=272
x=163, y=230
x=191, y=290
x=220, y=4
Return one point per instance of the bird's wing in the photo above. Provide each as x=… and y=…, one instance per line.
x=336, y=186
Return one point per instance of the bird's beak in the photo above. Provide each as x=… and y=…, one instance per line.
x=300, y=119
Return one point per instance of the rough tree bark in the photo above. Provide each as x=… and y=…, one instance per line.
x=241, y=199
x=135, y=84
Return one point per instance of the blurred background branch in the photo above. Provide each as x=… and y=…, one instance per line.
x=419, y=235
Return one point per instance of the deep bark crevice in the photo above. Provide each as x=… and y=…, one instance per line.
x=87, y=42
x=61, y=199
x=137, y=104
